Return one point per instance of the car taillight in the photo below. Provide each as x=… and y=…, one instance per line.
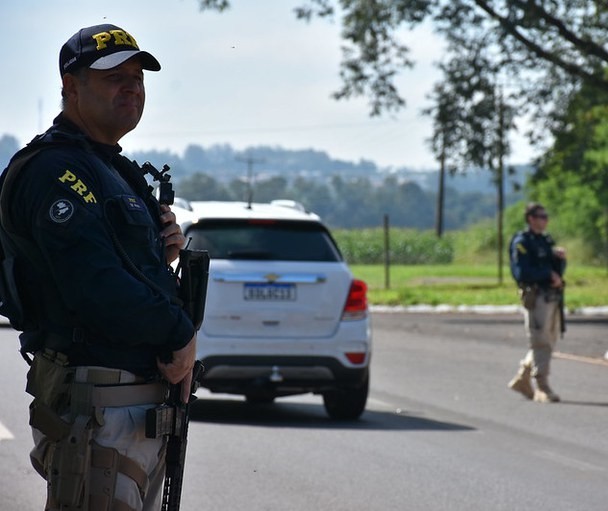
x=356, y=303
x=355, y=357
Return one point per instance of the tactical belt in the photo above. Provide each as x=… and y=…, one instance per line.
x=89, y=386
x=91, y=389
x=120, y=395
x=104, y=387
x=105, y=376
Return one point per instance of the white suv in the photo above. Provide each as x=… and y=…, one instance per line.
x=283, y=315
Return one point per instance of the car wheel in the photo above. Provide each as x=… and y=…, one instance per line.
x=346, y=404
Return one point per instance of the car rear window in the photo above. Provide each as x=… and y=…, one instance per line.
x=274, y=240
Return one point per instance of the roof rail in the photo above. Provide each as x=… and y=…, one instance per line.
x=288, y=203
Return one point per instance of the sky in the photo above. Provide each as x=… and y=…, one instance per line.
x=253, y=75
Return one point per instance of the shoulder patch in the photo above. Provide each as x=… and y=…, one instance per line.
x=61, y=211
x=521, y=249
x=75, y=183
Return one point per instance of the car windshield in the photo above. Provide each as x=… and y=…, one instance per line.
x=274, y=240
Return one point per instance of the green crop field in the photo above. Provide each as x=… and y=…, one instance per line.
x=470, y=284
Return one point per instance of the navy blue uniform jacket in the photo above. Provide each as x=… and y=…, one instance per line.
x=532, y=259
x=74, y=200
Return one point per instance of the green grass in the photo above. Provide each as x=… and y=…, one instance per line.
x=455, y=284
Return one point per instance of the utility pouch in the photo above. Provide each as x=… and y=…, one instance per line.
x=193, y=278
x=49, y=379
x=68, y=476
x=528, y=296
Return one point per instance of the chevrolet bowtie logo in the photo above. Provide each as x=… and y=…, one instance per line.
x=272, y=277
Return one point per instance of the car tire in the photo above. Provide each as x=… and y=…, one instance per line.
x=346, y=404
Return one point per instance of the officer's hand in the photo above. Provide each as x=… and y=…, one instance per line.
x=556, y=280
x=179, y=370
x=559, y=252
x=171, y=233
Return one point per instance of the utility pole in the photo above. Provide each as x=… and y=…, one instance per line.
x=500, y=181
x=441, y=189
x=250, y=161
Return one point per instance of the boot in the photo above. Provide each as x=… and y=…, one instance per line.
x=521, y=382
x=543, y=393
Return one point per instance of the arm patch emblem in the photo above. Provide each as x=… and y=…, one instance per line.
x=61, y=211
x=521, y=249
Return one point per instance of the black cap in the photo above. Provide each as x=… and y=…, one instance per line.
x=102, y=47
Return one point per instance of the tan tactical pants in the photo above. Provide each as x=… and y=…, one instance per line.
x=542, y=325
x=124, y=430
x=103, y=462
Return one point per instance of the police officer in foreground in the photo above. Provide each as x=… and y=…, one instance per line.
x=538, y=267
x=93, y=252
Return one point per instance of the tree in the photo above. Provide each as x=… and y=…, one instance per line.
x=353, y=203
x=201, y=187
x=572, y=177
x=471, y=121
x=417, y=207
x=266, y=190
x=444, y=142
x=315, y=196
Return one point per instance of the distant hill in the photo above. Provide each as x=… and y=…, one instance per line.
x=224, y=164
x=476, y=180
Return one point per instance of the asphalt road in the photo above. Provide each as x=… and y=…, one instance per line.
x=441, y=432
x=585, y=335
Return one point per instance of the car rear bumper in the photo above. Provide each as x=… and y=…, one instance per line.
x=350, y=336
x=281, y=375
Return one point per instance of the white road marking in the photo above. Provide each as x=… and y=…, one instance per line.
x=580, y=358
x=5, y=434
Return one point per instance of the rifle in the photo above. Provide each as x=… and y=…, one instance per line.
x=171, y=419
x=561, y=305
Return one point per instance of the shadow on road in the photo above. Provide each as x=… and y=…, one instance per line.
x=584, y=403
x=308, y=415
x=510, y=319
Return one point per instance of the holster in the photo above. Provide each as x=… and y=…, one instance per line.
x=527, y=295
x=68, y=474
x=67, y=408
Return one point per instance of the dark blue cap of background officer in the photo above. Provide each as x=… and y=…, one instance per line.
x=102, y=47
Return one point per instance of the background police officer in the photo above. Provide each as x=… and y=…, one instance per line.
x=94, y=275
x=538, y=267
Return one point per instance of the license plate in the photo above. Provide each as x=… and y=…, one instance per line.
x=269, y=292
